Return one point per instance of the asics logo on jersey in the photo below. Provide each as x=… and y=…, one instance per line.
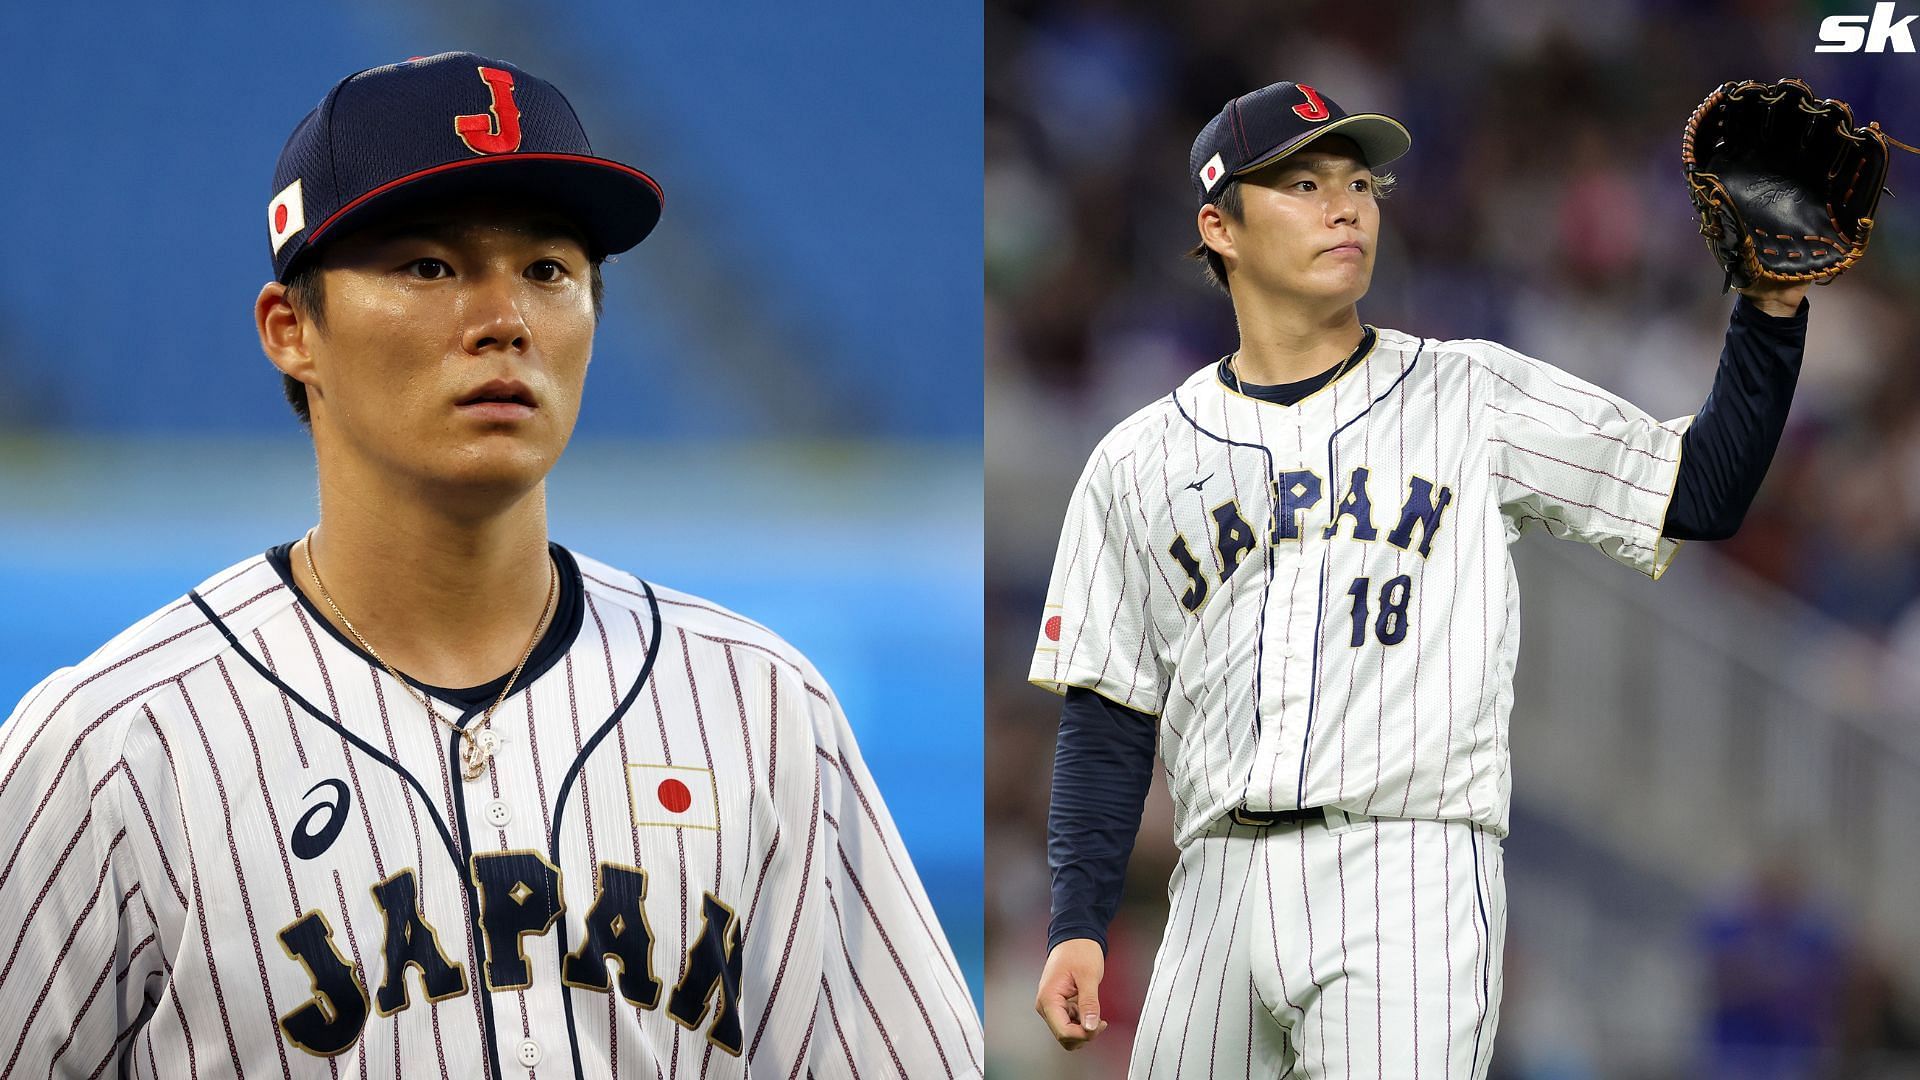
x=1296, y=492
x=311, y=843
x=519, y=895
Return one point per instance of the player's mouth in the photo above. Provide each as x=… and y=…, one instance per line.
x=1350, y=247
x=500, y=399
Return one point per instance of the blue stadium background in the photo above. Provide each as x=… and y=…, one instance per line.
x=784, y=409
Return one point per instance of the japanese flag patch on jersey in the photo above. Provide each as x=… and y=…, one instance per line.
x=676, y=795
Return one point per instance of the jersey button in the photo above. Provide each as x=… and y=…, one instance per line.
x=529, y=1053
x=497, y=816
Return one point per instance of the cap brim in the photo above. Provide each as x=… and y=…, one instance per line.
x=1380, y=138
x=615, y=205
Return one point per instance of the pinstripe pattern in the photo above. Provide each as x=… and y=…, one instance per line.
x=150, y=798
x=1358, y=657
x=1417, y=995
x=1262, y=696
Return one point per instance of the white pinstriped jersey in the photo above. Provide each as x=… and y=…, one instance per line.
x=1316, y=600
x=234, y=847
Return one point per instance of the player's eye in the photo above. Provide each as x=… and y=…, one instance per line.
x=1304, y=185
x=1363, y=186
x=429, y=269
x=546, y=270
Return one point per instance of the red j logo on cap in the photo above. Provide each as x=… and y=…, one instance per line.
x=1314, y=109
x=496, y=131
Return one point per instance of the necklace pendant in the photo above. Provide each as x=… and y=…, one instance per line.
x=476, y=751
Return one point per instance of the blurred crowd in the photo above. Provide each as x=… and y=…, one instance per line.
x=1791, y=994
x=1541, y=206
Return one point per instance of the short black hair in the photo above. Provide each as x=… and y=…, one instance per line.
x=1230, y=206
x=306, y=291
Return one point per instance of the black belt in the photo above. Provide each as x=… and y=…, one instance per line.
x=1267, y=818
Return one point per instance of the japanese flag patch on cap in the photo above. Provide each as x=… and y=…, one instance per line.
x=676, y=795
x=1213, y=172
x=286, y=215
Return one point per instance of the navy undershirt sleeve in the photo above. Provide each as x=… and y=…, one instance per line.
x=1725, y=454
x=1102, y=767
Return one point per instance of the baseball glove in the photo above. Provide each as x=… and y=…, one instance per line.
x=1784, y=181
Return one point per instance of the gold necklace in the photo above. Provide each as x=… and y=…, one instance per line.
x=478, y=742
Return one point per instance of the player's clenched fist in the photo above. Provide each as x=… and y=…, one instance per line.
x=1069, y=997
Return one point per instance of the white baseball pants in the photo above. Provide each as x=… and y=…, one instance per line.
x=1336, y=949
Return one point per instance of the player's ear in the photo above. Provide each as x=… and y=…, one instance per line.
x=1213, y=231
x=283, y=332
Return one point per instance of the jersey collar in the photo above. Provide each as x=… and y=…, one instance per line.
x=569, y=614
x=1293, y=393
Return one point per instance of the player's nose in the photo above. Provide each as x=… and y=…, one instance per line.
x=495, y=319
x=1343, y=207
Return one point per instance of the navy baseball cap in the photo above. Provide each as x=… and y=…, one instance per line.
x=414, y=134
x=1260, y=128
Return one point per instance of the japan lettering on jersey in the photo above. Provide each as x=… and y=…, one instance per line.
x=1317, y=600
x=235, y=847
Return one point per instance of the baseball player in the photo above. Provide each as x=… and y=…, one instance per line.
x=422, y=793
x=1291, y=574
